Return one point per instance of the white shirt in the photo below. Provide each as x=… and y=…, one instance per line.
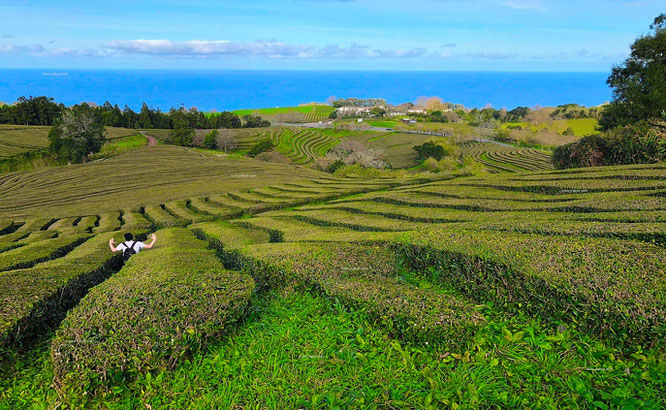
x=137, y=246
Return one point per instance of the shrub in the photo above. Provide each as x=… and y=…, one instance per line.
x=262, y=145
x=353, y=153
x=252, y=121
x=273, y=156
x=162, y=306
x=637, y=144
x=429, y=150
x=503, y=135
x=210, y=140
x=586, y=152
x=569, y=131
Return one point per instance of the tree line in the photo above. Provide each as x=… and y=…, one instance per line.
x=46, y=111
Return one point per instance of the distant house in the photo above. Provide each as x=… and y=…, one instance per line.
x=416, y=111
x=349, y=111
x=409, y=121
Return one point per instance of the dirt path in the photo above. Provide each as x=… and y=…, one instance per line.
x=151, y=140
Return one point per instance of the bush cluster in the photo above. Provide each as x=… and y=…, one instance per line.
x=598, y=284
x=32, y=300
x=638, y=144
x=163, y=305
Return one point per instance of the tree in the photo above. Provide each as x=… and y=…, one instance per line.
x=252, y=121
x=78, y=133
x=429, y=150
x=350, y=153
x=639, y=84
x=144, y=117
x=226, y=140
x=262, y=145
x=182, y=133
x=36, y=111
x=210, y=140
x=228, y=119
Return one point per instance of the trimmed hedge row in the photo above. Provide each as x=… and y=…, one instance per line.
x=33, y=300
x=31, y=225
x=364, y=277
x=615, y=288
x=34, y=253
x=108, y=222
x=134, y=221
x=37, y=236
x=63, y=223
x=180, y=210
x=299, y=231
x=83, y=225
x=200, y=205
x=227, y=201
x=162, y=306
x=161, y=218
x=224, y=234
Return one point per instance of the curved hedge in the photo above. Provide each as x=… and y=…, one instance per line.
x=365, y=277
x=163, y=305
x=614, y=288
x=32, y=300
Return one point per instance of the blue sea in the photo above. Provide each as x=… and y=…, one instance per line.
x=231, y=90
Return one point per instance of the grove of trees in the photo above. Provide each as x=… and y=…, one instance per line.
x=634, y=123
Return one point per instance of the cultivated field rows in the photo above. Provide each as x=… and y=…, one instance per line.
x=581, y=247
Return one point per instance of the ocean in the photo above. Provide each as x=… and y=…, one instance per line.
x=231, y=90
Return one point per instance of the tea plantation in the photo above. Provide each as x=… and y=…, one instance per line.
x=19, y=139
x=278, y=286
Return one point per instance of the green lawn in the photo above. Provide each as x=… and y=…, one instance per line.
x=581, y=126
x=382, y=124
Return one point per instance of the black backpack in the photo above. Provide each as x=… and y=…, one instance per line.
x=129, y=251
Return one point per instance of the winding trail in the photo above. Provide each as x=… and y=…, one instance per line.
x=152, y=141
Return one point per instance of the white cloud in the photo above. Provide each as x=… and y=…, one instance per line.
x=270, y=49
x=534, y=5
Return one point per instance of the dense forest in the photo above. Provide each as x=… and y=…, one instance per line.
x=45, y=111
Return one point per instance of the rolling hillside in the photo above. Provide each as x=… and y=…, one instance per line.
x=18, y=139
x=411, y=285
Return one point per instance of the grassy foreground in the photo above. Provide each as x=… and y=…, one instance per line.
x=298, y=349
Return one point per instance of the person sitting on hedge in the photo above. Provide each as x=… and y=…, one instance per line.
x=131, y=246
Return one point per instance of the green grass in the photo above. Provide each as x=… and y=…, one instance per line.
x=301, y=350
x=581, y=126
x=304, y=113
x=382, y=124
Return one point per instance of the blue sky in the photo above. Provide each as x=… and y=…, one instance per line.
x=469, y=35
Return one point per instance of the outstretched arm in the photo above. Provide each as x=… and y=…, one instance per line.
x=152, y=243
x=111, y=245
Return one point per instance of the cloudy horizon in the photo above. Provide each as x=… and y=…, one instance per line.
x=475, y=35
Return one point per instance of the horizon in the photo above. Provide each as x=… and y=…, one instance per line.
x=322, y=35
x=309, y=70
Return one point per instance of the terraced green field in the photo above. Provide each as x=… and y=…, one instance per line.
x=18, y=139
x=581, y=126
x=505, y=158
x=279, y=286
x=300, y=114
